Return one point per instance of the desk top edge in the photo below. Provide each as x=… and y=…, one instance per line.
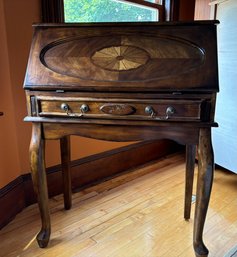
x=135, y=24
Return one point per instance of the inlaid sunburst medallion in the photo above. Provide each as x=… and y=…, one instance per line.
x=120, y=58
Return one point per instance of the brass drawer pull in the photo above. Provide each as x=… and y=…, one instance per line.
x=84, y=108
x=65, y=107
x=150, y=110
x=169, y=112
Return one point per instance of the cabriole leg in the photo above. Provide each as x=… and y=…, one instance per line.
x=190, y=165
x=37, y=163
x=204, y=185
x=66, y=171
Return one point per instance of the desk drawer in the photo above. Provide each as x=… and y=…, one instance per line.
x=138, y=109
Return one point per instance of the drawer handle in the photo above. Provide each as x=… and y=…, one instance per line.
x=65, y=107
x=84, y=108
x=150, y=110
x=169, y=112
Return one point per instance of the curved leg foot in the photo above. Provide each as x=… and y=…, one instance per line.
x=204, y=185
x=39, y=182
x=43, y=237
x=200, y=250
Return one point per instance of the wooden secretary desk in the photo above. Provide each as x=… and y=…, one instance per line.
x=123, y=82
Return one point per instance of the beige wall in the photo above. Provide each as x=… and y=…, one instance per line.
x=202, y=10
x=16, y=17
x=9, y=160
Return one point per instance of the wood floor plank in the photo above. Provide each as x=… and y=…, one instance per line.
x=138, y=214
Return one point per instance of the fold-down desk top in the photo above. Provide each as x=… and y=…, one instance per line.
x=147, y=57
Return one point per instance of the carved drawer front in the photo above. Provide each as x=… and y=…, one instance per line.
x=129, y=109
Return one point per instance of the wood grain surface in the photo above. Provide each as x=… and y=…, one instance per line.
x=136, y=214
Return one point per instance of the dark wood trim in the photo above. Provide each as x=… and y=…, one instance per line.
x=52, y=11
x=12, y=200
x=85, y=172
x=171, y=10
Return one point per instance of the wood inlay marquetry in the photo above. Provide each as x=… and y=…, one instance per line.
x=122, y=58
x=117, y=109
x=119, y=58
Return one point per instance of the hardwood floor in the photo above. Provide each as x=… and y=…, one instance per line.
x=138, y=214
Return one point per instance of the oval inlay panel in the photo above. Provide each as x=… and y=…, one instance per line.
x=122, y=58
x=117, y=109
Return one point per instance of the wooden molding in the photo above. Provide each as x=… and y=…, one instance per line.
x=12, y=200
x=172, y=10
x=53, y=10
x=87, y=171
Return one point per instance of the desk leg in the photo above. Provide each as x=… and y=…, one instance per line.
x=66, y=172
x=37, y=163
x=190, y=165
x=204, y=185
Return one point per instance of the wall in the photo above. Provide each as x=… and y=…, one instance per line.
x=225, y=137
x=202, y=10
x=9, y=160
x=16, y=18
